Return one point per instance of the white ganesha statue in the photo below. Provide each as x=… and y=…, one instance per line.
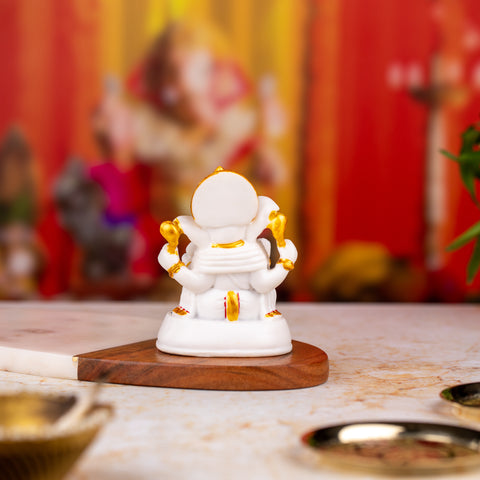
x=227, y=306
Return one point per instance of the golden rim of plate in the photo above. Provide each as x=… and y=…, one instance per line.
x=396, y=447
x=464, y=400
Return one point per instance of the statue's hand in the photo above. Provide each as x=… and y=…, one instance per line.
x=167, y=260
x=189, y=279
x=288, y=252
x=264, y=281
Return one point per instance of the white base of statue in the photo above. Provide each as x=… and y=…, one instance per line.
x=222, y=338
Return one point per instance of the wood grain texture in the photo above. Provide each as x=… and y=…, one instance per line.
x=142, y=363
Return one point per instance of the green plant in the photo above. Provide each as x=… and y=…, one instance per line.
x=468, y=162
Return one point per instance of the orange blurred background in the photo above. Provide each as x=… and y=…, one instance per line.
x=337, y=109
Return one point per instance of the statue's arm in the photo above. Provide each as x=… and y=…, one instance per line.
x=266, y=280
x=194, y=281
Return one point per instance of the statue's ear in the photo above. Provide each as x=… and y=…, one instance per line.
x=197, y=235
x=265, y=207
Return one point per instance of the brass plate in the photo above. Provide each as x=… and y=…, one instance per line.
x=464, y=400
x=396, y=447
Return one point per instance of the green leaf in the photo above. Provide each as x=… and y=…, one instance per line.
x=474, y=263
x=468, y=178
x=470, y=157
x=470, y=138
x=469, y=165
x=449, y=155
x=465, y=237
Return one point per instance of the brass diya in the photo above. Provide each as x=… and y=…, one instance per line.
x=396, y=448
x=464, y=400
x=33, y=446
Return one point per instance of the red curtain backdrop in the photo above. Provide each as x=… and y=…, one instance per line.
x=50, y=80
x=366, y=140
x=364, y=143
x=50, y=76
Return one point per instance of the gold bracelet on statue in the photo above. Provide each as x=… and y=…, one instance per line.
x=286, y=263
x=175, y=269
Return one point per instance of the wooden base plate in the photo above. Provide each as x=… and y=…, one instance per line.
x=143, y=364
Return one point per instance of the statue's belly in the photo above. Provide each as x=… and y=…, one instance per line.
x=213, y=304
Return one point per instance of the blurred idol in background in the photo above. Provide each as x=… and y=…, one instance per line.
x=20, y=252
x=195, y=112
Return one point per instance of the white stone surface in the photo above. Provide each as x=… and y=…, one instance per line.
x=386, y=363
x=43, y=338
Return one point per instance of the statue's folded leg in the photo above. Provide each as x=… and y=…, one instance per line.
x=267, y=304
x=187, y=305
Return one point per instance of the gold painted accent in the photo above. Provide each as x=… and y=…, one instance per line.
x=238, y=243
x=273, y=313
x=171, y=231
x=175, y=269
x=180, y=311
x=232, y=306
x=277, y=224
x=286, y=263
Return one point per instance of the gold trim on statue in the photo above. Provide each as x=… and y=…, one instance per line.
x=180, y=311
x=175, y=269
x=273, y=313
x=232, y=306
x=171, y=232
x=277, y=224
x=286, y=263
x=238, y=243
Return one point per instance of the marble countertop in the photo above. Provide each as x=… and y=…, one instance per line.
x=387, y=362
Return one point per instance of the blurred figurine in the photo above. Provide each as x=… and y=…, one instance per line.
x=81, y=205
x=20, y=262
x=367, y=272
x=194, y=115
x=126, y=183
x=227, y=306
x=20, y=258
x=104, y=207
